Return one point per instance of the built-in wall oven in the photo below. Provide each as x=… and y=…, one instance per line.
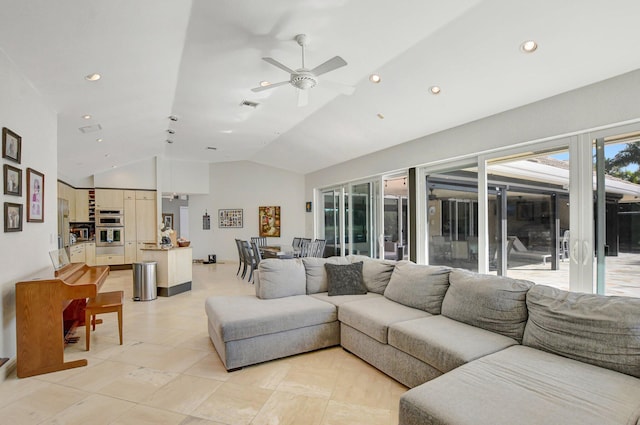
x=109, y=236
x=110, y=218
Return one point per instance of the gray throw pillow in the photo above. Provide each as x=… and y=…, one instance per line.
x=316, y=273
x=345, y=279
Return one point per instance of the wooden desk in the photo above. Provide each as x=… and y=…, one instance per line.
x=40, y=307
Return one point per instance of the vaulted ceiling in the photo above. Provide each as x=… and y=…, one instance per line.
x=198, y=60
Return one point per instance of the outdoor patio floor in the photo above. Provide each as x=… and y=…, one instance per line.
x=622, y=275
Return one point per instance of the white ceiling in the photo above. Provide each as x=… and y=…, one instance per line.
x=199, y=59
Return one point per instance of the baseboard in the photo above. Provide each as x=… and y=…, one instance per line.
x=174, y=290
x=7, y=369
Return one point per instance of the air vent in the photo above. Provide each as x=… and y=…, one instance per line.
x=211, y=148
x=249, y=103
x=90, y=128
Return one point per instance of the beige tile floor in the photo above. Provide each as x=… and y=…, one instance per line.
x=167, y=372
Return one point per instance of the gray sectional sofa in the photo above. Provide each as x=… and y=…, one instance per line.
x=474, y=349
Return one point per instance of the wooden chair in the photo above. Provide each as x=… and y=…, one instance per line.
x=104, y=302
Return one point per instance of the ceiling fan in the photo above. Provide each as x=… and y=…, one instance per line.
x=305, y=79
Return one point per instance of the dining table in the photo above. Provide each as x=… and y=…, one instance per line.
x=279, y=251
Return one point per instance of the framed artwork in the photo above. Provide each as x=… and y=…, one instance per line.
x=230, y=218
x=269, y=221
x=35, y=196
x=12, y=180
x=167, y=220
x=307, y=206
x=12, y=217
x=11, y=145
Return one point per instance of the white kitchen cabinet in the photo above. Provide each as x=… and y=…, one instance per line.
x=130, y=254
x=82, y=205
x=148, y=195
x=109, y=260
x=130, y=219
x=146, y=227
x=90, y=253
x=77, y=253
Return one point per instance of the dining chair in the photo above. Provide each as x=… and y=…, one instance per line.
x=259, y=240
x=249, y=259
x=257, y=254
x=296, y=242
x=240, y=257
x=319, y=249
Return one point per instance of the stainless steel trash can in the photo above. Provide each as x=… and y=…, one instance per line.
x=144, y=281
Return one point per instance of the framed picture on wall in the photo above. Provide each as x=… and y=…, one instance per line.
x=167, y=220
x=35, y=196
x=269, y=221
x=12, y=217
x=230, y=218
x=12, y=180
x=11, y=145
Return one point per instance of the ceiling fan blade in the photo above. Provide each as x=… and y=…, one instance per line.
x=333, y=63
x=274, y=62
x=303, y=97
x=270, y=86
x=342, y=88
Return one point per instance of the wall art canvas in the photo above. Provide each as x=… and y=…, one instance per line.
x=35, y=196
x=269, y=221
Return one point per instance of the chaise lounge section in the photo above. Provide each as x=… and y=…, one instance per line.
x=475, y=349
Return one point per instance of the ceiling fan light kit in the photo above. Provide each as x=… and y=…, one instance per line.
x=302, y=78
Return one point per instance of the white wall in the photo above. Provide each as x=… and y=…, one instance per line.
x=23, y=253
x=136, y=175
x=602, y=104
x=184, y=177
x=245, y=185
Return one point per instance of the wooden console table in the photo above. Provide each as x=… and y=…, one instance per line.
x=40, y=307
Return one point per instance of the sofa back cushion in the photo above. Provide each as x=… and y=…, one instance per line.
x=596, y=329
x=418, y=286
x=375, y=273
x=277, y=278
x=316, y=273
x=494, y=303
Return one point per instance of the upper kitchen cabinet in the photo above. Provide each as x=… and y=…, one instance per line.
x=67, y=192
x=129, y=195
x=109, y=198
x=148, y=195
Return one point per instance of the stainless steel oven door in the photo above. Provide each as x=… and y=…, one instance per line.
x=110, y=218
x=109, y=236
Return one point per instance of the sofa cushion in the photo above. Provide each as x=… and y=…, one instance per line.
x=445, y=343
x=375, y=273
x=494, y=303
x=316, y=273
x=277, y=278
x=373, y=316
x=240, y=317
x=345, y=279
x=418, y=286
x=596, y=329
x=524, y=386
x=338, y=300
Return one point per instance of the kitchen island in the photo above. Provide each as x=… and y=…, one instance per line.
x=173, y=271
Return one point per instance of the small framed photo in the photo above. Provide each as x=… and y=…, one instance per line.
x=12, y=180
x=35, y=196
x=12, y=217
x=167, y=220
x=11, y=145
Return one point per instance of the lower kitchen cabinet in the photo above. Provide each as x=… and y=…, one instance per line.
x=77, y=253
x=109, y=260
x=130, y=254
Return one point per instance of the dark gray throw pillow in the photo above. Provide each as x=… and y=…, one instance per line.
x=345, y=279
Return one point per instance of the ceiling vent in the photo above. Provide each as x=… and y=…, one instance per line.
x=90, y=128
x=249, y=103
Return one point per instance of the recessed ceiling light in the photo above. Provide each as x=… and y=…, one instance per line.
x=114, y=166
x=265, y=83
x=226, y=131
x=99, y=140
x=93, y=77
x=171, y=131
x=173, y=118
x=435, y=89
x=107, y=155
x=86, y=117
x=169, y=141
x=529, y=46
x=375, y=78
x=380, y=116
